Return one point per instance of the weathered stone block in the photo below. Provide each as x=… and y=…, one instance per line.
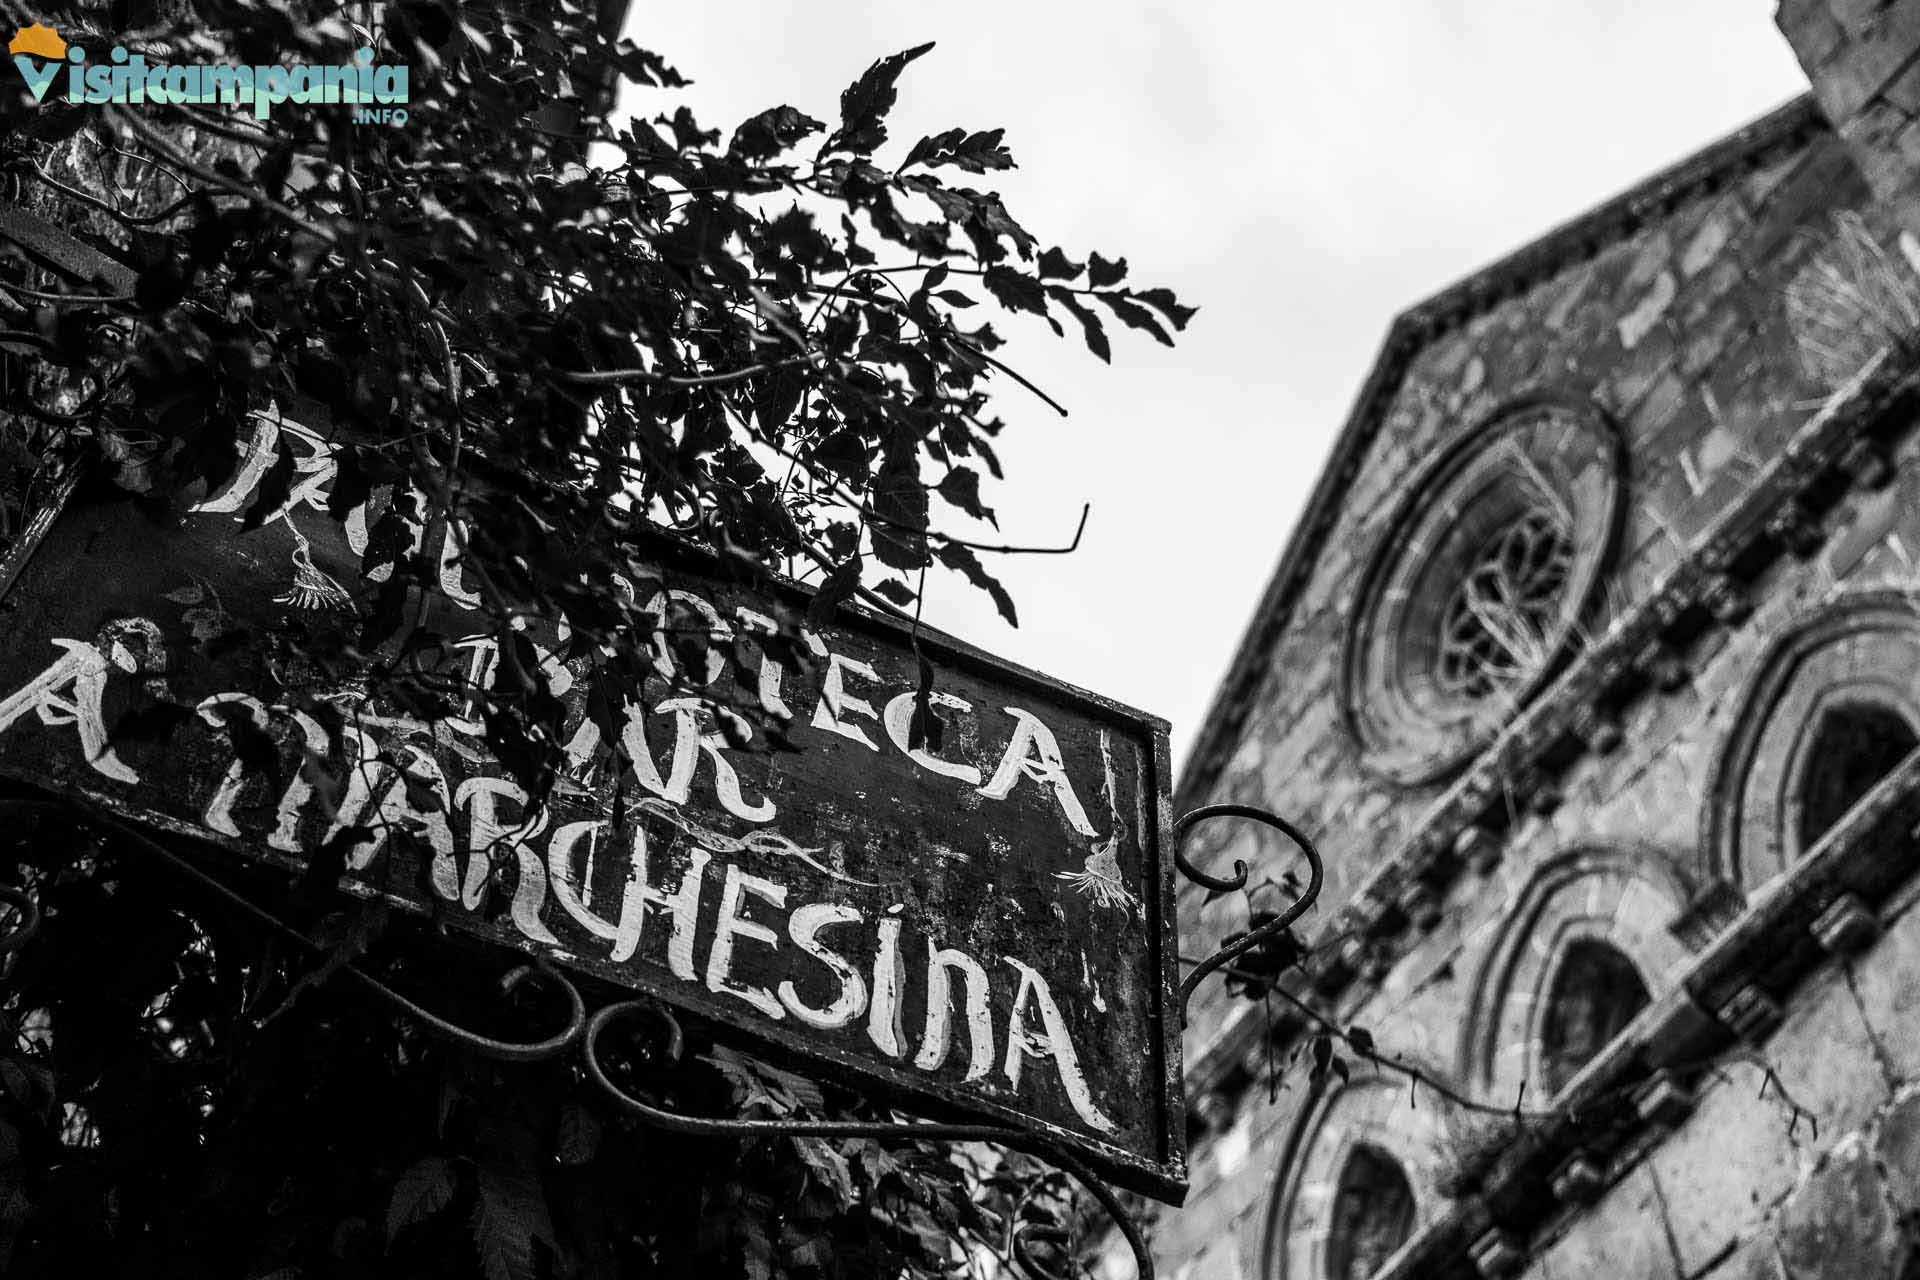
x=1710, y=239
x=1623, y=1235
x=1648, y=309
x=1580, y=1180
x=1847, y=926
x=1497, y=1255
x=1887, y=981
x=1750, y=1013
x=1756, y=1259
x=1824, y=1055
x=1897, y=1148
x=1838, y=1225
x=1725, y=1169
x=1812, y=31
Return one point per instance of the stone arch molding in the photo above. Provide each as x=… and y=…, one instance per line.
x=1623, y=896
x=1863, y=647
x=1543, y=477
x=1371, y=1113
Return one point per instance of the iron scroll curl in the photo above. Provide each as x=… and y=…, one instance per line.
x=1271, y=929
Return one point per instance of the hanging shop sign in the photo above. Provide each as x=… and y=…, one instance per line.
x=987, y=927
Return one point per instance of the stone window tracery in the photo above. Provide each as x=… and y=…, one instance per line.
x=1373, y=1215
x=1497, y=626
x=1479, y=585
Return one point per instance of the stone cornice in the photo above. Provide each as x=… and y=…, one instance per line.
x=1842, y=445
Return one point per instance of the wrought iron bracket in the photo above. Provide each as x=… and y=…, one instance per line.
x=1258, y=937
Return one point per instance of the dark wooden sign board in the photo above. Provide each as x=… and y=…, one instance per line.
x=989, y=930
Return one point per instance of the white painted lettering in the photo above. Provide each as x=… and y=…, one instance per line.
x=576, y=894
x=836, y=704
x=731, y=925
x=899, y=722
x=804, y=927
x=889, y=979
x=1034, y=753
x=1050, y=1041
x=937, y=1037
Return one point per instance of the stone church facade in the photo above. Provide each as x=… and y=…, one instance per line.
x=1593, y=668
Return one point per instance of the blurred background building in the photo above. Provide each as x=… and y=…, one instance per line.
x=1594, y=667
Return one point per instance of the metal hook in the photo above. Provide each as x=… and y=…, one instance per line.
x=1273, y=928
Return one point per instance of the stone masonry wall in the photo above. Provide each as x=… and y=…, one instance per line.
x=1681, y=331
x=1740, y=1187
x=1863, y=59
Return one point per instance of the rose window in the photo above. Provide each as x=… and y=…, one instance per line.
x=1480, y=584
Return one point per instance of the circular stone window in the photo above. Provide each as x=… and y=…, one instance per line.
x=1479, y=585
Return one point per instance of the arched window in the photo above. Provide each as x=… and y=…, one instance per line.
x=1372, y=1215
x=1855, y=745
x=1833, y=706
x=1596, y=992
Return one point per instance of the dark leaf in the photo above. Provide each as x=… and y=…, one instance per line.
x=1016, y=290
x=161, y=285
x=1101, y=273
x=1055, y=265
x=352, y=483
x=895, y=590
x=974, y=152
x=579, y=1135
x=1164, y=300
x=961, y=487
x=1135, y=316
x=645, y=67
x=508, y=1214
x=900, y=507
x=924, y=728
x=865, y=103
x=423, y=1191
x=955, y=556
x=835, y=591
x=771, y=132
x=1090, y=326
x=271, y=496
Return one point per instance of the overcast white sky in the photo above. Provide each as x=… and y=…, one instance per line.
x=1301, y=173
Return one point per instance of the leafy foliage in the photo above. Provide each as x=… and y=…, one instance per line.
x=543, y=334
